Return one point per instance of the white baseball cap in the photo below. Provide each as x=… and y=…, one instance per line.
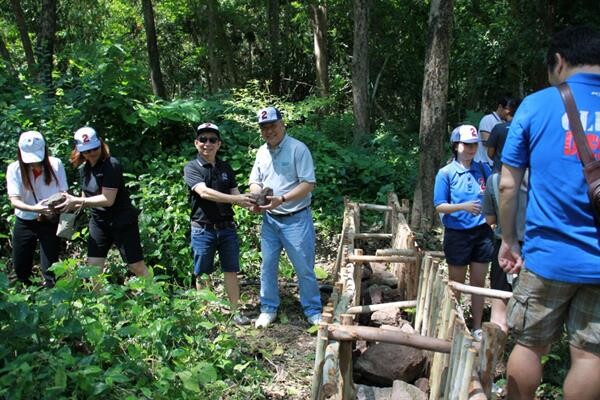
x=208, y=127
x=268, y=115
x=86, y=139
x=464, y=134
x=32, y=146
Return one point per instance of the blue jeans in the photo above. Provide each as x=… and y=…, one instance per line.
x=207, y=241
x=295, y=234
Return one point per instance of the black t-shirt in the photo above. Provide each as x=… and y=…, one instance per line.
x=497, y=139
x=109, y=174
x=219, y=177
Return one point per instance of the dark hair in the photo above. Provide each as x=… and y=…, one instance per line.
x=578, y=45
x=47, y=170
x=504, y=100
x=512, y=105
x=77, y=158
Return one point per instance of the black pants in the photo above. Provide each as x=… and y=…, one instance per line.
x=26, y=234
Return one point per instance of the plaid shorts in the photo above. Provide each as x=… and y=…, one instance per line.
x=541, y=307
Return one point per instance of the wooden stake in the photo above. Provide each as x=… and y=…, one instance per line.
x=319, y=355
x=382, y=306
x=347, y=385
x=494, y=293
x=384, y=259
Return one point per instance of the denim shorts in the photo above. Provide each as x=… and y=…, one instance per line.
x=541, y=307
x=463, y=246
x=207, y=241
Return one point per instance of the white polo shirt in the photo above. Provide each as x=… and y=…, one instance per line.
x=15, y=187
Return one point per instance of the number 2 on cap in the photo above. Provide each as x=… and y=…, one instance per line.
x=263, y=115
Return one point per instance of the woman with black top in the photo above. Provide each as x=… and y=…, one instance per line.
x=30, y=181
x=113, y=220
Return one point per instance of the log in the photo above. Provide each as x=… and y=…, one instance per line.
x=437, y=254
x=357, y=277
x=346, y=383
x=395, y=252
x=383, y=306
x=374, y=207
x=492, y=348
x=467, y=373
x=494, y=293
x=422, y=293
x=331, y=371
x=475, y=389
x=387, y=259
x=319, y=355
x=352, y=333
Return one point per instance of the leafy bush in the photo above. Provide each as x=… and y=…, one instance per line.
x=147, y=339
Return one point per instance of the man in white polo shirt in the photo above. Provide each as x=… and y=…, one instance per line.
x=285, y=165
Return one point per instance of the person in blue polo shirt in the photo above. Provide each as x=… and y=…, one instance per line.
x=559, y=265
x=285, y=165
x=458, y=195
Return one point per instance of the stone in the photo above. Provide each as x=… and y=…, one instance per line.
x=261, y=198
x=381, y=276
x=422, y=384
x=54, y=200
x=405, y=391
x=364, y=392
x=376, y=294
x=382, y=363
x=389, y=316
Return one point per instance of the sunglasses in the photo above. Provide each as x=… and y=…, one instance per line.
x=90, y=151
x=204, y=139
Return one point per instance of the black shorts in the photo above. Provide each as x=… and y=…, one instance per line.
x=125, y=235
x=497, y=274
x=463, y=246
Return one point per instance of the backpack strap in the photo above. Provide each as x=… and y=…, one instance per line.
x=585, y=153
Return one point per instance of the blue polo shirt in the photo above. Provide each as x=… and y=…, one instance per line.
x=282, y=168
x=561, y=240
x=455, y=184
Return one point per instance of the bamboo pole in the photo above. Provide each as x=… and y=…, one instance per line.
x=459, y=366
x=493, y=293
x=471, y=353
x=437, y=254
x=453, y=363
x=382, y=306
x=475, y=389
x=357, y=277
x=374, y=207
x=373, y=235
x=385, y=259
x=352, y=333
x=428, y=292
x=395, y=252
x=346, y=383
x=319, y=355
x=422, y=292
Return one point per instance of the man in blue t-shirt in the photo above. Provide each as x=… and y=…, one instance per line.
x=559, y=281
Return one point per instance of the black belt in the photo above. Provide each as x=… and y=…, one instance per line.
x=217, y=226
x=288, y=214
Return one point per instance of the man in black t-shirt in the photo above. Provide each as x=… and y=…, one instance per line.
x=213, y=190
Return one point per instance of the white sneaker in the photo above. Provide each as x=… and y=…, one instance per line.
x=314, y=319
x=477, y=334
x=265, y=319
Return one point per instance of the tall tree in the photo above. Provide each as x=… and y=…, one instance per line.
x=214, y=64
x=433, y=126
x=158, y=86
x=46, y=44
x=318, y=19
x=24, y=34
x=360, y=69
x=5, y=54
x=273, y=12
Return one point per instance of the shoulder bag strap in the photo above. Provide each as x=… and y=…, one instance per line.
x=585, y=153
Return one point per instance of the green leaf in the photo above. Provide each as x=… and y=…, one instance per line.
x=60, y=378
x=321, y=273
x=89, y=271
x=206, y=371
x=188, y=381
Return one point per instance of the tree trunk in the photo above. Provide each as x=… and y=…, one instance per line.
x=360, y=69
x=5, y=54
x=318, y=19
x=158, y=87
x=433, y=128
x=25, y=41
x=46, y=45
x=274, y=44
x=215, y=78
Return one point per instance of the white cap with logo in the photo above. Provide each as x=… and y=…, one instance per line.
x=86, y=139
x=268, y=115
x=32, y=146
x=464, y=134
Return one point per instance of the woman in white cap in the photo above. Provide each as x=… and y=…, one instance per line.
x=113, y=220
x=30, y=180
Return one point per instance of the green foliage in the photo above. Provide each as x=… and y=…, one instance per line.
x=146, y=339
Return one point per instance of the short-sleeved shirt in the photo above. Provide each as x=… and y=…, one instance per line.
x=486, y=124
x=219, y=177
x=496, y=140
x=562, y=242
x=282, y=169
x=15, y=186
x=455, y=184
x=109, y=174
x=491, y=205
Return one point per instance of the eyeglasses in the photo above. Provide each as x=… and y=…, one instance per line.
x=89, y=151
x=204, y=139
